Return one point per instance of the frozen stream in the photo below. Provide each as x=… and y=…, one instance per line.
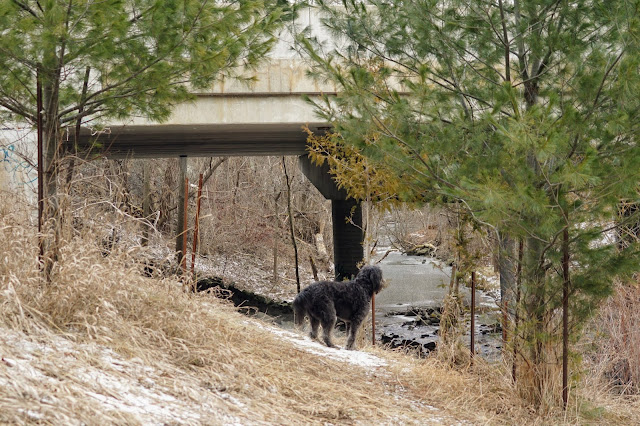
x=408, y=309
x=418, y=283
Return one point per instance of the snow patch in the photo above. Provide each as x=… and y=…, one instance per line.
x=103, y=376
x=359, y=358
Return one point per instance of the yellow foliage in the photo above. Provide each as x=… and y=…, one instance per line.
x=352, y=171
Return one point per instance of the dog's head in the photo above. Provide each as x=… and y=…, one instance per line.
x=370, y=277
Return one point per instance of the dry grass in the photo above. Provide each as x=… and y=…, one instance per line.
x=101, y=336
x=614, y=346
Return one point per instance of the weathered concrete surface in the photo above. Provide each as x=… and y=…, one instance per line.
x=18, y=171
x=264, y=116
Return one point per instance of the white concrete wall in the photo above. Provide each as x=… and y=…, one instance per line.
x=18, y=170
x=274, y=97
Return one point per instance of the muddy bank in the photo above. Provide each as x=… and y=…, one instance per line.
x=247, y=301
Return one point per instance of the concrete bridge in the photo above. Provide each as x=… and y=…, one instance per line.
x=266, y=117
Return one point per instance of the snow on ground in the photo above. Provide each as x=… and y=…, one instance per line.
x=109, y=383
x=52, y=379
x=43, y=374
x=362, y=359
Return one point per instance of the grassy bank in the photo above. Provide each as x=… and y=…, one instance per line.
x=103, y=344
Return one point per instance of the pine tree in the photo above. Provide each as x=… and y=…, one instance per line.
x=104, y=59
x=525, y=112
x=120, y=58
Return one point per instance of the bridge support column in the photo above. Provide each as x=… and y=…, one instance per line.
x=346, y=215
x=347, y=237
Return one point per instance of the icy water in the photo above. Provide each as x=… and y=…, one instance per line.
x=418, y=283
x=413, y=281
x=408, y=309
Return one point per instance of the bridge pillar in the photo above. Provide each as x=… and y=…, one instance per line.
x=346, y=215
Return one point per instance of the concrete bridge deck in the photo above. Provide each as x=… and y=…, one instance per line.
x=260, y=113
x=202, y=140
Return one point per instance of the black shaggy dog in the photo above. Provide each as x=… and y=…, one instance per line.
x=325, y=301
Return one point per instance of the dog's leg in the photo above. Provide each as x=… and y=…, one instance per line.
x=315, y=325
x=298, y=315
x=327, y=329
x=328, y=325
x=351, y=336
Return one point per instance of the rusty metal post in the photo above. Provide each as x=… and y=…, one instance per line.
x=180, y=248
x=40, y=165
x=505, y=318
x=473, y=315
x=514, y=369
x=146, y=201
x=373, y=319
x=183, y=260
x=195, y=227
x=565, y=318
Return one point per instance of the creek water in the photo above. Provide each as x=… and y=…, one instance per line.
x=407, y=310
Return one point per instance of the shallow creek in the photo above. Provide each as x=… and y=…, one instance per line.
x=408, y=310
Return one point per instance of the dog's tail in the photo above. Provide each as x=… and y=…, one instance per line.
x=298, y=312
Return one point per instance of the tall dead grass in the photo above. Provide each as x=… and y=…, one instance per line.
x=107, y=300
x=615, y=346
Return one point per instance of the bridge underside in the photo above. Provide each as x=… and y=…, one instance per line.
x=214, y=140
x=199, y=140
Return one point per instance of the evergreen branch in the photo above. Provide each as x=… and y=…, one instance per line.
x=96, y=105
x=20, y=59
x=463, y=99
x=505, y=41
x=520, y=42
x=537, y=64
x=603, y=81
x=408, y=146
x=81, y=18
x=471, y=212
x=146, y=66
x=134, y=75
x=445, y=83
x=139, y=16
x=493, y=27
x=26, y=8
x=83, y=95
x=22, y=83
x=462, y=57
x=16, y=108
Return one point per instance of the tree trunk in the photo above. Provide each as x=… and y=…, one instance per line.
x=506, y=268
x=536, y=312
x=507, y=281
x=51, y=134
x=275, y=236
x=516, y=321
x=291, y=228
